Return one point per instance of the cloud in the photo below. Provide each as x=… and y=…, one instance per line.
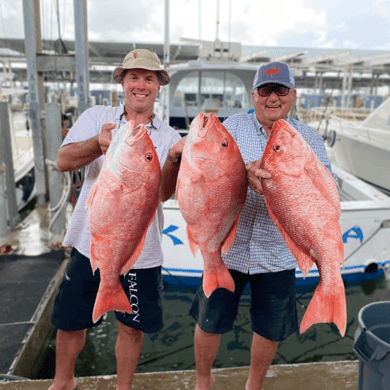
x=342, y=27
x=299, y=23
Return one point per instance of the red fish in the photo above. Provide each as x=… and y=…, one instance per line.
x=211, y=192
x=274, y=71
x=121, y=205
x=303, y=202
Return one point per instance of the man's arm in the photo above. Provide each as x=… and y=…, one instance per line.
x=76, y=155
x=170, y=171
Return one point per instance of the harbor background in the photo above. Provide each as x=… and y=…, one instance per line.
x=350, y=76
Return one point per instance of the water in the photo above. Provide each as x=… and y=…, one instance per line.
x=172, y=349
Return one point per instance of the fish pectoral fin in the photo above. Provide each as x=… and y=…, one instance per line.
x=134, y=257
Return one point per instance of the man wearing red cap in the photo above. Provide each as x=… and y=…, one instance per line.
x=141, y=77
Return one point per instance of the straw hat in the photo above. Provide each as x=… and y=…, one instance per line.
x=142, y=59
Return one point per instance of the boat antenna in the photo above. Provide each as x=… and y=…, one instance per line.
x=216, y=38
x=230, y=20
x=200, y=19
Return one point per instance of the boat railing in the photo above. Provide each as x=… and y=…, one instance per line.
x=318, y=114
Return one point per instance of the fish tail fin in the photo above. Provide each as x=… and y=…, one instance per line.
x=327, y=306
x=110, y=300
x=217, y=278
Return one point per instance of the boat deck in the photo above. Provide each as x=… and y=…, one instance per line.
x=340, y=375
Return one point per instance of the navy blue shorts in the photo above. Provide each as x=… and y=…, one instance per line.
x=273, y=308
x=73, y=305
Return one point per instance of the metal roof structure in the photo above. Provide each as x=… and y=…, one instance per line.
x=314, y=68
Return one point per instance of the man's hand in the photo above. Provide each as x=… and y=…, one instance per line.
x=255, y=174
x=177, y=149
x=105, y=136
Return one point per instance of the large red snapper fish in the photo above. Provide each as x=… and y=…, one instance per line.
x=303, y=202
x=121, y=206
x=211, y=191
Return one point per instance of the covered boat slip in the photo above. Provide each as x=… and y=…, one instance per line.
x=342, y=375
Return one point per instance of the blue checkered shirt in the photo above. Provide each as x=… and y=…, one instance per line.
x=259, y=246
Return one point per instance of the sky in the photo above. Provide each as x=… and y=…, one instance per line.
x=350, y=24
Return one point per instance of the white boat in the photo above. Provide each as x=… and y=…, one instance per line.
x=365, y=223
x=217, y=82
x=21, y=144
x=362, y=148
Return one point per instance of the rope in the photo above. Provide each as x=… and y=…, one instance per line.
x=65, y=194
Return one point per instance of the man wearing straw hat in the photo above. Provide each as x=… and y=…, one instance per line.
x=141, y=77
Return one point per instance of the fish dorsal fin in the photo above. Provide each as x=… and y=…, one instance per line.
x=323, y=180
x=230, y=236
x=305, y=262
x=177, y=187
x=192, y=243
x=91, y=196
x=136, y=254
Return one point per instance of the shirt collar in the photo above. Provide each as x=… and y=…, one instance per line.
x=155, y=124
x=259, y=126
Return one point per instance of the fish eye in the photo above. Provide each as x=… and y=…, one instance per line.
x=276, y=148
x=149, y=157
x=224, y=143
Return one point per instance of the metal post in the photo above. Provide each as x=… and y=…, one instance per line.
x=4, y=230
x=165, y=94
x=7, y=179
x=32, y=33
x=82, y=57
x=53, y=142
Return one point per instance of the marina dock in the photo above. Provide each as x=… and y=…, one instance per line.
x=341, y=375
x=29, y=275
x=29, y=316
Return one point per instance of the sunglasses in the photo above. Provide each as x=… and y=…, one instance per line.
x=266, y=90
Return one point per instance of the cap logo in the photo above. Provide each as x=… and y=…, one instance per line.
x=135, y=55
x=274, y=71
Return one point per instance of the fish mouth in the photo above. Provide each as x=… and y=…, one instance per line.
x=203, y=126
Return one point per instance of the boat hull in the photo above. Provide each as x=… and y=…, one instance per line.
x=365, y=223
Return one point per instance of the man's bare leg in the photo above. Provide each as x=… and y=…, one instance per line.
x=206, y=348
x=68, y=347
x=128, y=348
x=262, y=353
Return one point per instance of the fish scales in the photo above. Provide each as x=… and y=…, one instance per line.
x=121, y=206
x=211, y=191
x=303, y=202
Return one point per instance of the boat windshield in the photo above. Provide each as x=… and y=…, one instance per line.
x=210, y=91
